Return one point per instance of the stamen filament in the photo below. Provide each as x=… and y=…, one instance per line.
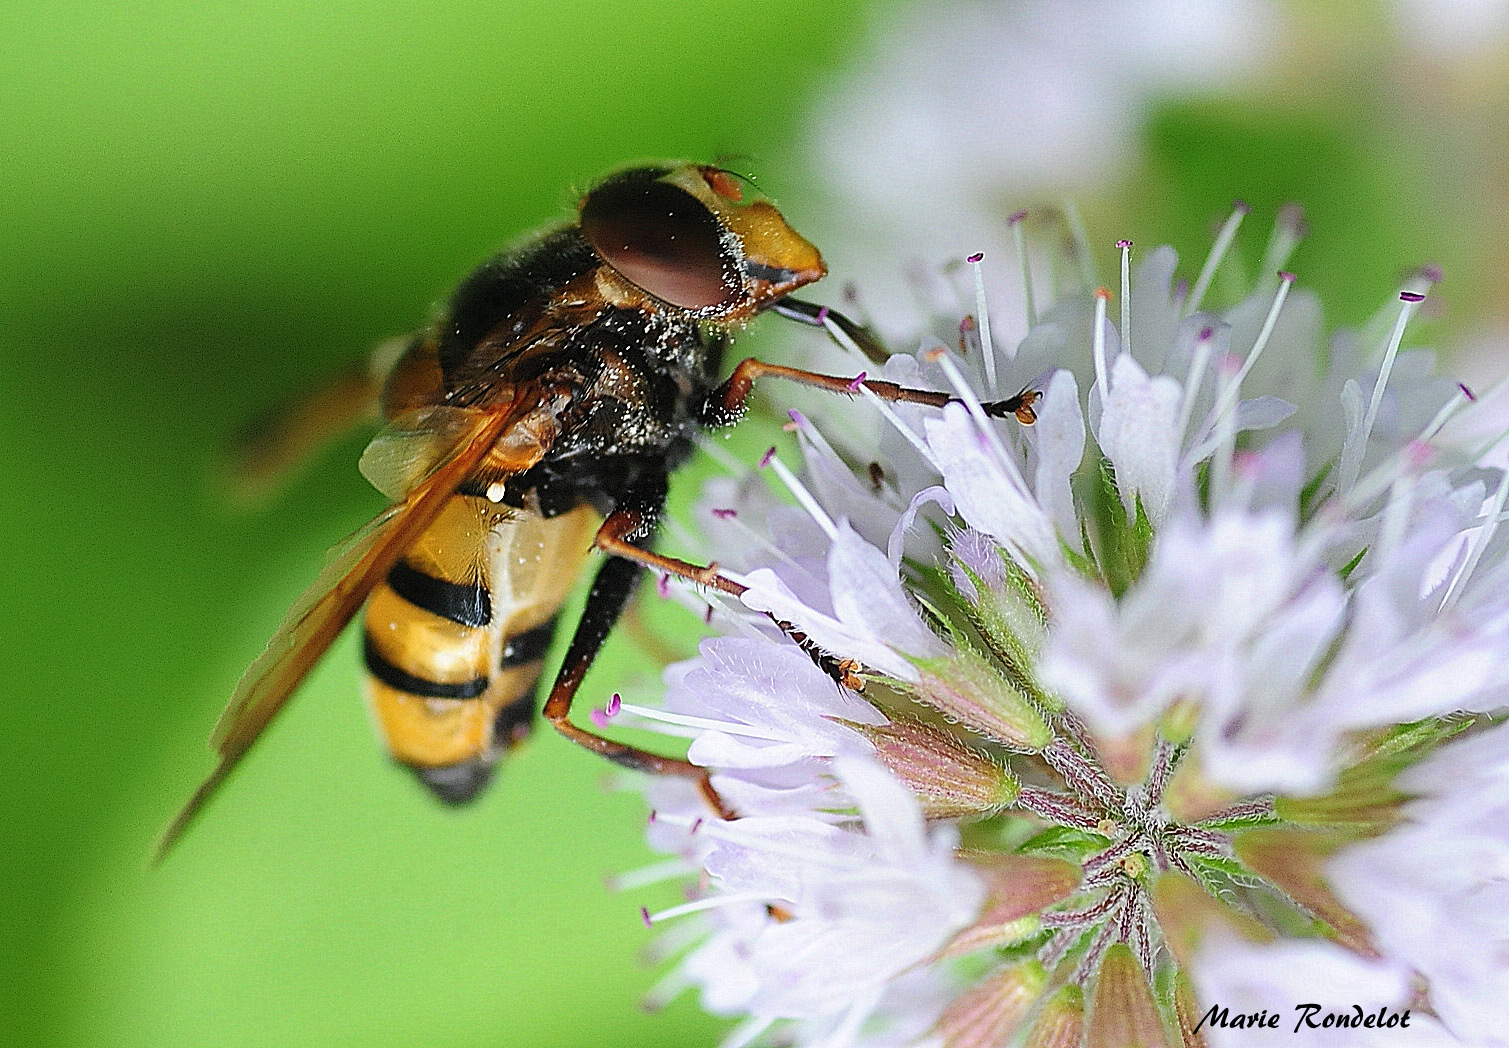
x=712, y=902
x=810, y=504
x=1479, y=544
x=1099, y=344
x=1218, y=251
x=1126, y=294
x=632, y=880
x=701, y=723
x=841, y=336
x=1020, y=238
x=982, y=315
x=901, y=427
x=1351, y=463
x=1228, y=399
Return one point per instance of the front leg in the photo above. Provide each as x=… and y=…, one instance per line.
x=726, y=404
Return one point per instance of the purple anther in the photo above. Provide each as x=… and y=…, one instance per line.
x=663, y=585
x=615, y=704
x=1206, y=334
x=1432, y=272
x=696, y=825
x=1241, y=206
x=1411, y=296
x=1469, y=394
x=767, y=458
x=1123, y=244
x=1016, y=217
x=707, y=616
x=977, y=257
x=854, y=384
x=1286, y=276
x=644, y=915
x=725, y=514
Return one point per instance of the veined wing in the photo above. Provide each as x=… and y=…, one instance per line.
x=446, y=445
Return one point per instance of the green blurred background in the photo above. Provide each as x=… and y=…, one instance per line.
x=206, y=205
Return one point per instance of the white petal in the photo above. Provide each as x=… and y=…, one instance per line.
x=986, y=495
x=1139, y=434
x=1060, y=443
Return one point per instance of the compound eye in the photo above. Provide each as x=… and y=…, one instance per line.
x=660, y=238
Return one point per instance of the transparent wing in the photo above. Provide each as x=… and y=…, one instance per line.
x=442, y=450
x=272, y=448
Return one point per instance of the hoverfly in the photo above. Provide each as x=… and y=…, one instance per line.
x=539, y=418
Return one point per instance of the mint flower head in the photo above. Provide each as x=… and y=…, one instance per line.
x=1177, y=691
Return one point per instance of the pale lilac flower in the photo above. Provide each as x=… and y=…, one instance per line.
x=1435, y=890
x=1179, y=697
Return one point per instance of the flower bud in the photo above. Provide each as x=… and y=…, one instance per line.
x=951, y=780
x=1123, y=1014
x=988, y=1013
x=965, y=688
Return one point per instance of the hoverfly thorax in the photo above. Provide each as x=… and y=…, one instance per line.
x=693, y=239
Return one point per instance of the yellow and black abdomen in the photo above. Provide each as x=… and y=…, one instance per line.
x=456, y=636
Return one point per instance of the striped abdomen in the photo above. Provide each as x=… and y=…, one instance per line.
x=456, y=636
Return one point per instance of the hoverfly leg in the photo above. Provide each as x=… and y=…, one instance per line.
x=610, y=593
x=727, y=403
x=610, y=539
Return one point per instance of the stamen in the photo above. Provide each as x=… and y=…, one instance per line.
x=987, y=349
x=797, y=488
x=712, y=902
x=1228, y=399
x=1288, y=230
x=1020, y=238
x=748, y=1031
x=1463, y=395
x=1101, y=375
x=901, y=427
x=1193, y=380
x=1218, y=251
x=806, y=431
x=1479, y=544
x=841, y=336
x=1352, y=454
x=990, y=439
x=1081, y=241
x=715, y=450
x=759, y=541
x=746, y=731
x=1226, y=429
x=1125, y=247
x=672, y=984
x=633, y=880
